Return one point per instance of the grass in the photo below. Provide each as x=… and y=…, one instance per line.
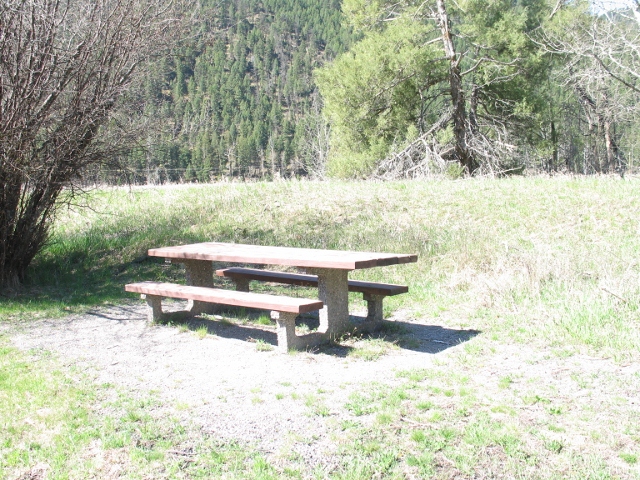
x=546, y=267
x=533, y=259
x=57, y=423
x=262, y=346
x=460, y=435
x=316, y=405
x=264, y=320
x=370, y=349
x=202, y=332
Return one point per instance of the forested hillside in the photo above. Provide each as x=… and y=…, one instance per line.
x=403, y=89
x=235, y=99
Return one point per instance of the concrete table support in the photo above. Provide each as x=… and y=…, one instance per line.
x=286, y=322
x=154, y=308
x=199, y=274
x=287, y=338
x=333, y=290
x=242, y=284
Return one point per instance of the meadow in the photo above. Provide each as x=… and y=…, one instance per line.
x=545, y=269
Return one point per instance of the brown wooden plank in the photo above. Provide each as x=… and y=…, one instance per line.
x=299, y=279
x=298, y=257
x=226, y=297
x=373, y=288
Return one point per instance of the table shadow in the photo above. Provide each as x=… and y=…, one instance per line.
x=418, y=337
x=426, y=338
x=409, y=335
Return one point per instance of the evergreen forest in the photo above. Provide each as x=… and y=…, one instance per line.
x=354, y=88
x=236, y=98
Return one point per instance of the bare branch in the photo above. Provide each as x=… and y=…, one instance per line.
x=64, y=67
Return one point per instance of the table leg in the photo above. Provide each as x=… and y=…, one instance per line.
x=154, y=308
x=333, y=290
x=199, y=274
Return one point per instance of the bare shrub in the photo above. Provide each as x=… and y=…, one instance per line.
x=65, y=66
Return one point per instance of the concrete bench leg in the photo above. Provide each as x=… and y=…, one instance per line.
x=374, y=307
x=154, y=308
x=242, y=284
x=286, y=322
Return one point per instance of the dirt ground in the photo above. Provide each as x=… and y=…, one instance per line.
x=223, y=375
x=233, y=391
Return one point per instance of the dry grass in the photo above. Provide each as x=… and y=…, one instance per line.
x=534, y=259
x=546, y=269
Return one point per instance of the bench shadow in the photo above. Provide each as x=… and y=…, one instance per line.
x=414, y=336
x=118, y=313
x=242, y=327
x=248, y=332
x=242, y=324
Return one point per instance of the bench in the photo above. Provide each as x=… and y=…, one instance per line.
x=373, y=293
x=284, y=310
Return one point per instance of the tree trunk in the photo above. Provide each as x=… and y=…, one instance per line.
x=24, y=226
x=473, y=109
x=595, y=122
x=554, y=142
x=604, y=130
x=457, y=93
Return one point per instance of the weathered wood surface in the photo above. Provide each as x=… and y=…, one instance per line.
x=373, y=288
x=226, y=297
x=296, y=257
x=283, y=309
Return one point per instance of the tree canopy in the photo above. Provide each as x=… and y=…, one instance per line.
x=492, y=86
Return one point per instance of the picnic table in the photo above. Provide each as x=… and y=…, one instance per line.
x=328, y=269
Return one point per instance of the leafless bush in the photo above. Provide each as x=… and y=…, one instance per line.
x=65, y=66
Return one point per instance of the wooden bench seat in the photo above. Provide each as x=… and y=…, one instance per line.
x=284, y=310
x=373, y=292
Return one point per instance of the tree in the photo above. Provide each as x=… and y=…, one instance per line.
x=65, y=68
x=312, y=141
x=451, y=76
x=601, y=57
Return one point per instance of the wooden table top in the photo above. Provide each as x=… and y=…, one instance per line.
x=296, y=257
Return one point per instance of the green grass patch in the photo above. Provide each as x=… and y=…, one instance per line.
x=316, y=405
x=262, y=346
x=543, y=264
x=370, y=349
x=56, y=423
x=630, y=458
x=264, y=320
x=202, y=331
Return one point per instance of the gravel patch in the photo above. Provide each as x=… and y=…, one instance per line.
x=235, y=392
